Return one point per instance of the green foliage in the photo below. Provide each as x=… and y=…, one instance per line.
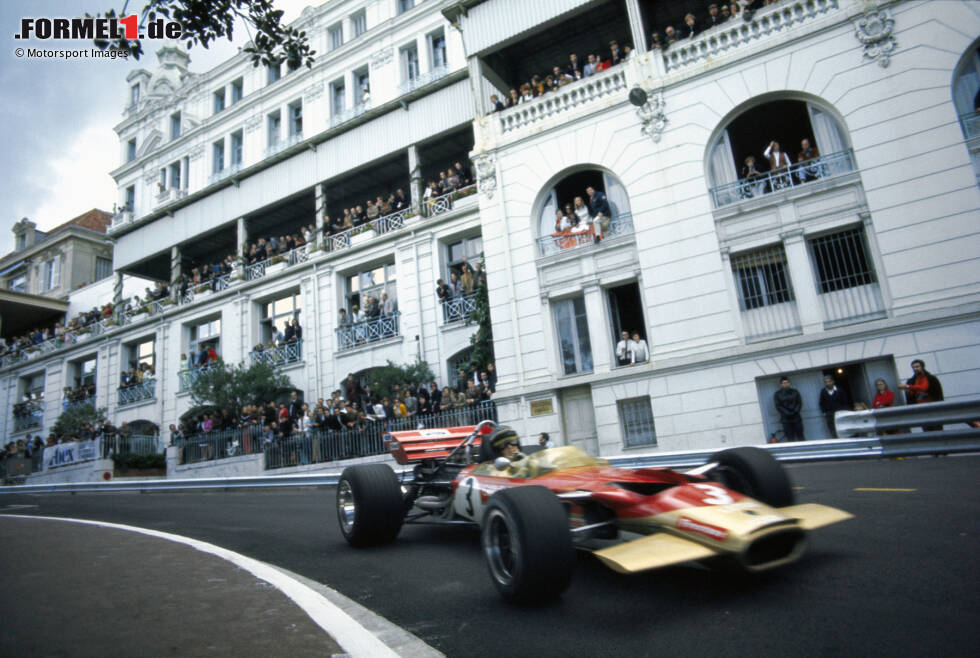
x=232, y=387
x=139, y=461
x=382, y=380
x=482, y=340
x=204, y=21
x=71, y=420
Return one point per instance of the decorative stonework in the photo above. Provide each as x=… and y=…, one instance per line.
x=486, y=173
x=196, y=152
x=252, y=124
x=312, y=92
x=875, y=30
x=151, y=176
x=381, y=57
x=652, y=115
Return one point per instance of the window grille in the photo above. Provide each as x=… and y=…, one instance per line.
x=762, y=278
x=841, y=260
x=636, y=419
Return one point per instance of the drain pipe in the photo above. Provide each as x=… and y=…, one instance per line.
x=315, y=325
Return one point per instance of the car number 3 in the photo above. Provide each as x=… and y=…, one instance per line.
x=714, y=495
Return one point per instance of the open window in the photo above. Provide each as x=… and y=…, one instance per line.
x=585, y=218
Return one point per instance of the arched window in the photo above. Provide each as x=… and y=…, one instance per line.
x=966, y=98
x=569, y=217
x=744, y=162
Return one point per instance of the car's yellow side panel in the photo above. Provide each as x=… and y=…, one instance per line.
x=652, y=552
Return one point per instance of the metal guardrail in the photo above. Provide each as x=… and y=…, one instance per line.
x=897, y=445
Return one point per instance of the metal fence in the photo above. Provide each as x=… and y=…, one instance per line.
x=29, y=416
x=280, y=355
x=621, y=224
x=846, y=278
x=971, y=124
x=189, y=376
x=369, y=331
x=446, y=202
x=457, y=309
x=134, y=444
x=765, y=293
x=800, y=173
x=145, y=390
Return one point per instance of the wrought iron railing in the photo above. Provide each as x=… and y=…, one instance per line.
x=390, y=222
x=144, y=390
x=297, y=255
x=621, y=224
x=797, y=174
x=220, y=444
x=280, y=355
x=81, y=402
x=188, y=376
x=134, y=444
x=458, y=309
x=423, y=79
x=971, y=124
x=446, y=202
x=369, y=331
x=29, y=415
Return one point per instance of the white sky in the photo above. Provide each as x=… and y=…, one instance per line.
x=57, y=142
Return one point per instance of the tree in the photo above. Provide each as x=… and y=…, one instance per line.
x=382, y=380
x=482, y=340
x=204, y=21
x=229, y=388
x=72, y=419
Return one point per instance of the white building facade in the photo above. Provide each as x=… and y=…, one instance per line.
x=851, y=265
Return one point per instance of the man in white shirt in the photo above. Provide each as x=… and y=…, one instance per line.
x=624, y=356
x=638, y=348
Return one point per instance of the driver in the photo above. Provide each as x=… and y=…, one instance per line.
x=505, y=443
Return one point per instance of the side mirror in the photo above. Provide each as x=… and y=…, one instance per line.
x=501, y=463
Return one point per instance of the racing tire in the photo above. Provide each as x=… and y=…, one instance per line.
x=370, y=507
x=755, y=473
x=527, y=544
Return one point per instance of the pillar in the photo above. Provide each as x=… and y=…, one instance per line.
x=804, y=284
x=242, y=233
x=636, y=25
x=600, y=334
x=481, y=104
x=415, y=177
x=320, y=210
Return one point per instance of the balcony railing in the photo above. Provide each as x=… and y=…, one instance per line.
x=280, y=355
x=555, y=243
x=350, y=113
x=369, y=331
x=134, y=444
x=423, y=79
x=390, y=222
x=283, y=144
x=575, y=94
x=121, y=217
x=72, y=404
x=168, y=196
x=145, y=390
x=458, y=309
x=28, y=415
x=738, y=33
x=971, y=124
x=446, y=202
x=798, y=174
x=188, y=376
x=224, y=173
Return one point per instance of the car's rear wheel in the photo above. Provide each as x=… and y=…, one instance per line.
x=527, y=544
x=755, y=473
x=370, y=508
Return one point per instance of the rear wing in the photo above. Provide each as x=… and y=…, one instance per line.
x=410, y=446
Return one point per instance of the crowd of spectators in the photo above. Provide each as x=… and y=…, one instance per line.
x=20, y=346
x=578, y=218
x=712, y=15
x=78, y=394
x=464, y=280
x=30, y=405
x=136, y=375
x=292, y=333
x=776, y=170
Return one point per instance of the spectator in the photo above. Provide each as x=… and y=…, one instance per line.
x=623, y=355
x=808, y=169
x=495, y=104
x=639, y=349
x=923, y=387
x=778, y=163
x=789, y=404
x=714, y=17
x=545, y=441
x=690, y=28
x=832, y=400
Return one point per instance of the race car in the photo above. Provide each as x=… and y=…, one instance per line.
x=535, y=507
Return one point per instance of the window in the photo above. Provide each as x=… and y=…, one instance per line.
x=33, y=385
x=134, y=94
x=130, y=198
x=761, y=278
x=338, y=96
x=163, y=180
x=236, y=148
x=405, y=5
x=275, y=122
x=174, y=176
x=206, y=335
x=175, y=125
x=219, y=100
x=358, y=22
x=237, y=90
x=336, y=36
x=362, y=86
x=131, y=150
x=370, y=283
x=636, y=419
x=469, y=250
x=52, y=273
x=410, y=62
x=276, y=313
x=573, y=335
x=841, y=260
x=144, y=352
x=273, y=72
x=437, y=49
x=18, y=283
x=296, y=118
x=218, y=156
x=86, y=372
x=103, y=268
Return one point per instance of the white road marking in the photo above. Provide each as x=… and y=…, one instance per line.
x=352, y=636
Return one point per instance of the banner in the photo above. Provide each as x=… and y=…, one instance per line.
x=70, y=453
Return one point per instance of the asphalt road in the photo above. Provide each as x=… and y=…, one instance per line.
x=900, y=579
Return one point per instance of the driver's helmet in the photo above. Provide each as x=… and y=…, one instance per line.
x=501, y=437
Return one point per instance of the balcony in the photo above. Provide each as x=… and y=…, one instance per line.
x=188, y=376
x=121, y=217
x=78, y=402
x=28, y=415
x=971, y=125
x=280, y=355
x=358, y=334
x=219, y=176
x=738, y=35
x=458, y=309
x=272, y=265
x=282, y=145
x=423, y=79
x=824, y=168
x=555, y=243
x=141, y=392
x=350, y=114
x=168, y=196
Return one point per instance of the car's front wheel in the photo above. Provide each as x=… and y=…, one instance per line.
x=370, y=509
x=527, y=544
x=755, y=473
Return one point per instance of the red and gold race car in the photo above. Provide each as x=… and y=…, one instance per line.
x=536, y=506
